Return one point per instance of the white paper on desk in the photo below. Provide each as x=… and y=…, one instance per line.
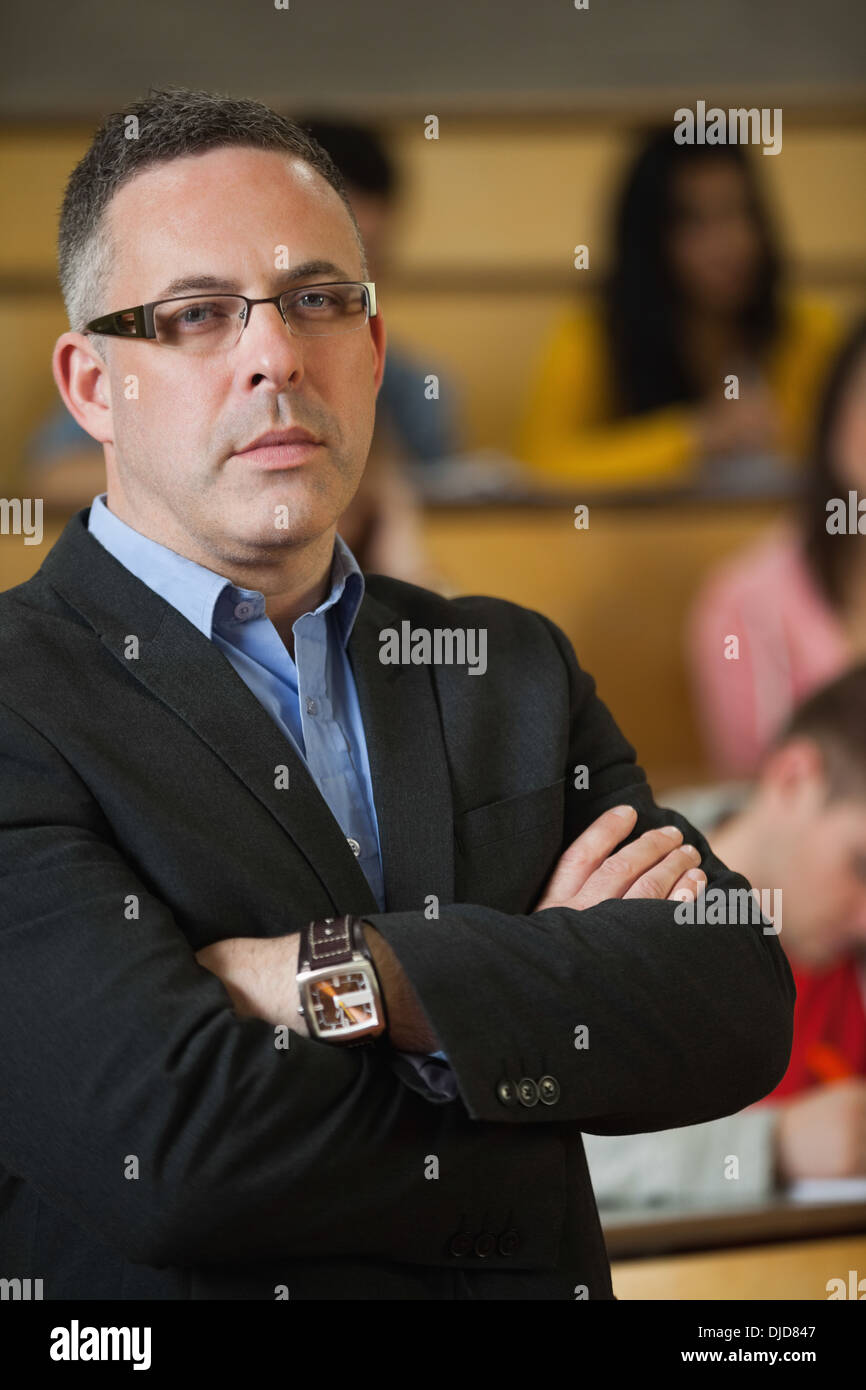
x=828, y=1190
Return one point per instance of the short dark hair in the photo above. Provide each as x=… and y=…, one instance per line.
x=359, y=152
x=171, y=122
x=834, y=717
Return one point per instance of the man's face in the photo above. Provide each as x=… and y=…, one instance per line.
x=175, y=446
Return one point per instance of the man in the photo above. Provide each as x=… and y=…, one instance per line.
x=174, y=1131
x=798, y=834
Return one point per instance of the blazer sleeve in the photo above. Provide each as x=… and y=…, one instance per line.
x=136, y=1102
x=644, y=1022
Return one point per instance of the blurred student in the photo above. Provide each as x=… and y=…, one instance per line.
x=382, y=525
x=630, y=386
x=799, y=835
x=795, y=599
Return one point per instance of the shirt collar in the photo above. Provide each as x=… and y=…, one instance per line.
x=194, y=590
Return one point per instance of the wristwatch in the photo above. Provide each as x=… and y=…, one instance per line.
x=338, y=987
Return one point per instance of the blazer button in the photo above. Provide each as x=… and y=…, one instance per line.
x=527, y=1091
x=461, y=1243
x=548, y=1090
x=509, y=1242
x=506, y=1092
x=485, y=1245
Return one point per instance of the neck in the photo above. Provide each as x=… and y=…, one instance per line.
x=736, y=844
x=711, y=337
x=285, y=605
x=294, y=579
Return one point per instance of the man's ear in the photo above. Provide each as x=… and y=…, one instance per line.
x=796, y=769
x=82, y=380
x=377, y=342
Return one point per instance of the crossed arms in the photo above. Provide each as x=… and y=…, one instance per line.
x=115, y=1044
x=259, y=973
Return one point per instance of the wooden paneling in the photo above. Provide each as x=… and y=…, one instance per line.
x=791, y=1270
x=620, y=590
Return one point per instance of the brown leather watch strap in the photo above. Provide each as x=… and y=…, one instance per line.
x=326, y=941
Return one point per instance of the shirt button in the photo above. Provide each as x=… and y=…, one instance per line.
x=312, y=707
x=355, y=847
x=244, y=610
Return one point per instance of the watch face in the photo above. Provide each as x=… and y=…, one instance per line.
x=342, y=1004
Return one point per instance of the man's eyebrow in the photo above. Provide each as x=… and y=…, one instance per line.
x=190, y=284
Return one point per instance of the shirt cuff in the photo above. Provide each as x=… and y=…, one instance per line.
x=420, y=1071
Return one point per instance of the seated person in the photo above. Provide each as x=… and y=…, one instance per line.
x=630, y=386
x=798, y=834
x=795, y=598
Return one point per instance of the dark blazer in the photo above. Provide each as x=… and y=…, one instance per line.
x=155, y=1145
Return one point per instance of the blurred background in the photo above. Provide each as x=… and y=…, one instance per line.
x=582, y=290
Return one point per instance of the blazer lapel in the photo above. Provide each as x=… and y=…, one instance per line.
x=185, y=671
x=408, y=765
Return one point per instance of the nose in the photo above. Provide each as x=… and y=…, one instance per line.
x=267, y=348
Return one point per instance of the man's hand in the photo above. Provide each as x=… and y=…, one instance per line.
x=822, y=1134
x=589, y=872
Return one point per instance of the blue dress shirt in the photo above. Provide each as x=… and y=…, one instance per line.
x=312, y=698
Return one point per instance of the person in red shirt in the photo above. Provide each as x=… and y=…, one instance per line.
x=798, y=834
x=803, y=829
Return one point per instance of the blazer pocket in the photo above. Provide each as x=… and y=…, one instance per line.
x=502, y=820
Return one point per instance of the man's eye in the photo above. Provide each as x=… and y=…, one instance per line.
x=315, y=299
x=198, y=316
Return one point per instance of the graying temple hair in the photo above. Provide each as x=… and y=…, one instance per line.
x=171, y=122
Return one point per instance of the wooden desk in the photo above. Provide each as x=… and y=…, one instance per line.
x=776, y=1250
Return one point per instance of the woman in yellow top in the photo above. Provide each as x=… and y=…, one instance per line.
x=631, y=387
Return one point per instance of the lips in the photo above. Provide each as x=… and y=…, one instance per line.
x=276, y=438
x=281, y=449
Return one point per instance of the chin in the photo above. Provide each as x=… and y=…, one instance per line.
x=296, y=525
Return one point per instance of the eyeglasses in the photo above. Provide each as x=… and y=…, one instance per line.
x=202, y=323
